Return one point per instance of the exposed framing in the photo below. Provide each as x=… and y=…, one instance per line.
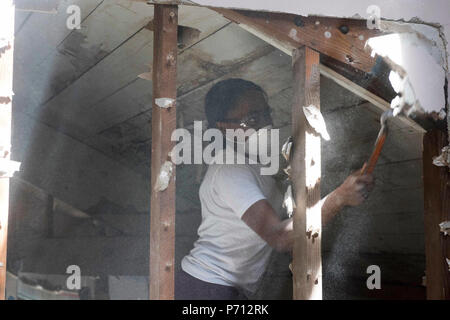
x=436, y=182
x=162, y=217
x=163, y=121
x=306, y=174
x=274, y=28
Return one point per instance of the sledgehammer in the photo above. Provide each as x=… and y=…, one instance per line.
x=370, y=166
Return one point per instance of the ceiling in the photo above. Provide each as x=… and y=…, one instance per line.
x=94, y=83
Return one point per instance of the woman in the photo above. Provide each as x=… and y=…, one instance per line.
x=240, y=225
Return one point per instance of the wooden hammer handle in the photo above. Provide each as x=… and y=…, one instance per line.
x=370, y=166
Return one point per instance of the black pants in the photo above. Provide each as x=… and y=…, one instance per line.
x=188, y=287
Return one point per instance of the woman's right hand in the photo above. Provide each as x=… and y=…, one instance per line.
x=355, y=189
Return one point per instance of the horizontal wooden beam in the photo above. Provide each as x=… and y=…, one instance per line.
x=341, y=39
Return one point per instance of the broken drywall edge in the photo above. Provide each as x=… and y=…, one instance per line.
x=430, y=36
x=165, y=102
x=164, y=176
x=445, y=227
x=443, y=160
x=8, y=167
x=420, y=78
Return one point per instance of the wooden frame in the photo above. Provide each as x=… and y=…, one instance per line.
x=162, y=215
x=288, y=33
x=277, y=30
x=436, y=182
x=306, y=174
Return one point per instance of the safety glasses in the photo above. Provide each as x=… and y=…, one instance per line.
x=255, y=120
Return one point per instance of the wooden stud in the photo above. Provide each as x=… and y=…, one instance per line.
x=162, y=214
x=436, y=183
x=306, y=174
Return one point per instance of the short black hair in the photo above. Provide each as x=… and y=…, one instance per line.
x=222, y=98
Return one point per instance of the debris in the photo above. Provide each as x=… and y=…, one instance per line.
x=146, y=76
x=443, y=160
x=316, y=120
x=448, y=263
x=286, y=152
x=286, y=149
x=445, y=227
x=289, y=202
x=165, y=102
x=411, y=55
x=424, y=281
x=164, y=176
x=293, y=35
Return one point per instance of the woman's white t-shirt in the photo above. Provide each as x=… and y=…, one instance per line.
x=229, y=252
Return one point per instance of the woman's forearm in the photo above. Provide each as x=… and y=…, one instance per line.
x=352, y=192
x=331, y=205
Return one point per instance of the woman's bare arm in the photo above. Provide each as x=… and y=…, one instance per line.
x=278, y=233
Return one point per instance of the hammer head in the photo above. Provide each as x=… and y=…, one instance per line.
x=383, y=121
x=387, y=114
